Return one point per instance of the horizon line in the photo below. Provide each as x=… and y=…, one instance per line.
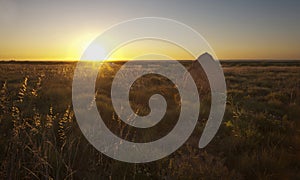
x=66, y=61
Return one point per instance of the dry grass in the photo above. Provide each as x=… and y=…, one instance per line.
x=259, y=137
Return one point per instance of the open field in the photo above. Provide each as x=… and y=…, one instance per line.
x=259, y=137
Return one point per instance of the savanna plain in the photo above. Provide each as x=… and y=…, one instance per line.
x=259, y=137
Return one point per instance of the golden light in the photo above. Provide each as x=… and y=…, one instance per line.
x=80, y=44
x=150, y=49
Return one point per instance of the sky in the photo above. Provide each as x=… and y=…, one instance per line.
x=235, y=29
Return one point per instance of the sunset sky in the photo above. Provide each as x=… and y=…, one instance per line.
x=60, y=30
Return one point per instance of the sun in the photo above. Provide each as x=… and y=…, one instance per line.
x=79, y=44
x=95, y=52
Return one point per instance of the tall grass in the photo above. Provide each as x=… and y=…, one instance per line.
x=258, y=139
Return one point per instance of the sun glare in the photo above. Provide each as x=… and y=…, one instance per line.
x=150, y=49
x=80, y=44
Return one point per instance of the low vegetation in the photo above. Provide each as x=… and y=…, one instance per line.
x=259, y=137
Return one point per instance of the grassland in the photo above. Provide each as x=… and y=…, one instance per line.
x=259, y=137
